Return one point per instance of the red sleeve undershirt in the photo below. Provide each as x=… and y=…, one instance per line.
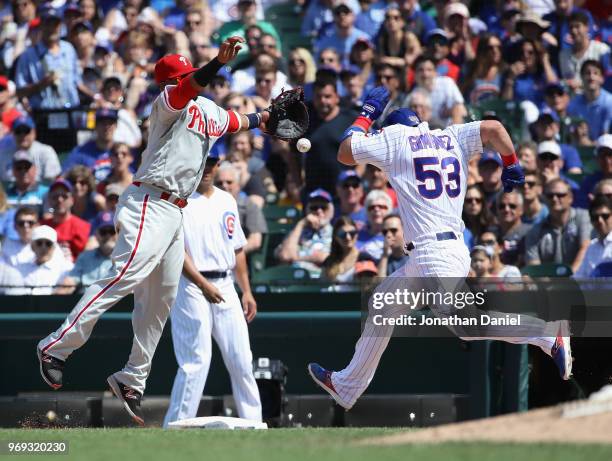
x=234, y=122
x=181, y=94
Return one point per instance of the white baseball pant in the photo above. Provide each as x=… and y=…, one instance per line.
x=446, y=259
x=194, y=320
x=148, y=260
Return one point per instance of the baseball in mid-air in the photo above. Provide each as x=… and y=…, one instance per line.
x=51, y=416
x=303, y=145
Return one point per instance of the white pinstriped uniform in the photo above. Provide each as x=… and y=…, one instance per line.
x=148, y=257
x=428, y=170
x=211, y=244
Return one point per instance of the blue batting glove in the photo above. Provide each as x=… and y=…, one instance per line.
x=375, y=103
x=512, y=176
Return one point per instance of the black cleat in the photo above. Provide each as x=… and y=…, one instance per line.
x=51, y=369
x=129, y=397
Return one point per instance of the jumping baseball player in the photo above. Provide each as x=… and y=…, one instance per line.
x=428, y=170
x=207, y=303
x=148, y=257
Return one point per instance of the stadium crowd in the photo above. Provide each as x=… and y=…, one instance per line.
x=76, y=90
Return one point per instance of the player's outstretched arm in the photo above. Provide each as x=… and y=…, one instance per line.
x=493, y=134
x=373, y=107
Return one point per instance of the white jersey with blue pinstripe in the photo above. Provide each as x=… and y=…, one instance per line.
x=428, y=170
x=179, y=142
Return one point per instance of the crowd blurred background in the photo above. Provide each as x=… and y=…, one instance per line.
x=76, y=90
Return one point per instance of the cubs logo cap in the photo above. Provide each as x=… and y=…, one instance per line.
x=402, y=116
x=172, y=66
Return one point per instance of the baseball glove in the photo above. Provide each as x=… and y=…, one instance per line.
x=288, y=115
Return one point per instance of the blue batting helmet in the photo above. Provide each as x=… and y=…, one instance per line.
x=404, y=117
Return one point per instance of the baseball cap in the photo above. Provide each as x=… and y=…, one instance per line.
x=363, y=41
x=113, y=189
x=604, y=142
x=367, y=266
x=342, y=8
x=456, y=8
x=437, y=32
x=105, y=219
x=105, y=113
x=533, y=18
x=111, y=81
x=44, y=233
x=347, y=174
x=72, y=7
x=172, y=66
x=23, y=156
x=351, y=69
x=490, y=156
x=548, y=115
x=320, y=193
x=554, y=88
x=23, y=121
x=549, y=147
x=402, y=116
x=81, y=26
x=61, y=182
x=47, y=11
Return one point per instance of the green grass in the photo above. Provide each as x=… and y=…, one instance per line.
x=281, y=444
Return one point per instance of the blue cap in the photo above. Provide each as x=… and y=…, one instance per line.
x=320, y=193
x=72, y=6
x=83, y=25
x=61, y=182
x=22, y=121
x=554, y=87
x=351, y=69
x=104, y=47
x=47, y=11
x=402, y=116
x=105, y=113
x=490, y=156
x=347, y=174
x=226, y=73
x=104, y=219
x=437, y=32
x=214, y=154
x=548, y=114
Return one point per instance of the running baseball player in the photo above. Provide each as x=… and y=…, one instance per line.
x=148, y=256
x=207, y=303
x=428, y=170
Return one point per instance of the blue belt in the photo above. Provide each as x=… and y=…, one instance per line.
x=440, y=236
x=215, y=274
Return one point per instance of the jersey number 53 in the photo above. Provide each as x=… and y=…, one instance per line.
x=429, y=173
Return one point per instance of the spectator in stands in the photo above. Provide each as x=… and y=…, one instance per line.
x=420, y=102
x=512, y=230
x=371, y=16
x=582, y=48
x=393, y=255
x=201, y=50
x=557, y=100
x=550, y=163
x=595, y=103
x=318, y=18
x=546, y=128
x=483, y=79
x=44, y=273
x=92, y=265
x=268, y=45
x=121, y=159
x=456, y=23
x=261, y=93
x=251, y=216
x=476, y=216
x=11, y=281
x=370, y=238
x=603, y=151
x=72, y=231
x=490, y=169
x=308, y=244
x=302, y=67
x=112, y=192
x=564, y=236
x=482, y=263
x=43, y=156
x=94, y=153
x=391, y=77
x=349, y=190
x=107, y=61
x=528, y=73
x=396, y=46
x=219, y=87
x=245, y=80
x=365, y=270
x=560, y=24
x=527, y=154
x=198, y=20
x=113, y=97
x=417, y=21
x=339, y=266
x=600, y=248
x=437, y=46
x=344, y=34
x=86, y=201
x=579, y=133
x=16, y=28
x=321, y=169
x=494, y=249
x=19, y=251
x=602, y=189
x=363, y=56
x=8, y=112
x=446, y=100
x=26, y=190
x=534, y=211
x=48, y=74
x=330, y=58
x=376, y=179
x=81, y=37
x=353, y=85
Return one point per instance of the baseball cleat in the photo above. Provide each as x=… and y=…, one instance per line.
x=130, y=398
x=51, y=369
x=322, y=377
x=561, y=353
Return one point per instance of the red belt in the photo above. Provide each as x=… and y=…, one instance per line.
x=179, y=202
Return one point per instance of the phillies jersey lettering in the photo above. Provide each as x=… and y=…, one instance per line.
x=428, y=170
x=179, y=142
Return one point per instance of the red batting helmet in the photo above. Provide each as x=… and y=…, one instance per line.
x=172, y=66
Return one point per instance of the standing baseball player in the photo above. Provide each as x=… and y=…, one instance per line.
x=148, y=256
x=207, y=303
x=428, y=170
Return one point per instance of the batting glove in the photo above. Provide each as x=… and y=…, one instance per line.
x=512, y=176
x=375, y=103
